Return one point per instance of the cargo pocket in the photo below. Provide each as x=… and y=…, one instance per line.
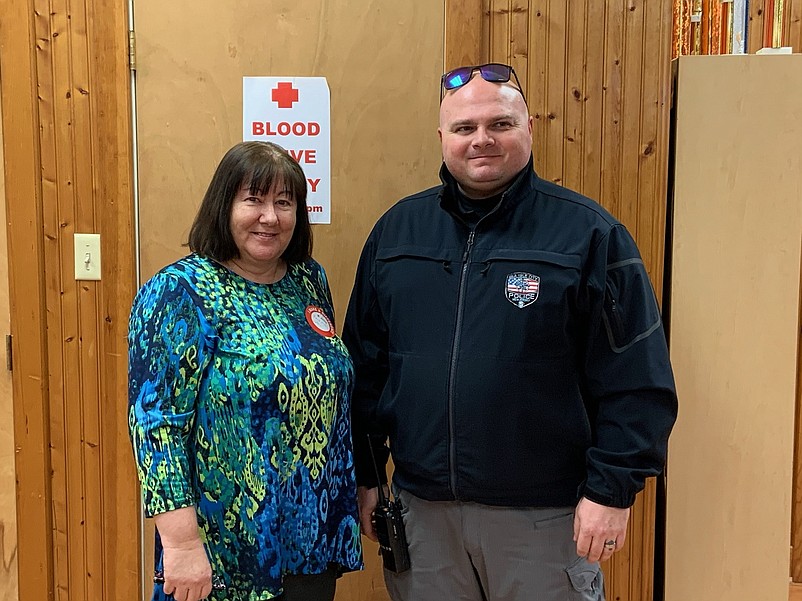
x=586, y=580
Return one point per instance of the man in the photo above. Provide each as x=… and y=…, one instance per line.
x=506, y=338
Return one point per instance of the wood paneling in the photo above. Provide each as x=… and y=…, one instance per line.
x=463, y=25
x=756, y=25
x=734, y=326
x=67, y=118
x=596, y=76
x=8, y=504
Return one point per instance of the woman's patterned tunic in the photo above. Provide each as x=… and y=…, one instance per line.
x=239, y=402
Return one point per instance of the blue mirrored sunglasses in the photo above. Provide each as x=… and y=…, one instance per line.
x=493, y=72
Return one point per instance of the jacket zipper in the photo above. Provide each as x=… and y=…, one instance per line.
x=452, y=374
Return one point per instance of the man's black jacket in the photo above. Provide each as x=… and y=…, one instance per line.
x=521, y=363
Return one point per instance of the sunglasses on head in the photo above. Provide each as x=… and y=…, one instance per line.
x=493, y=72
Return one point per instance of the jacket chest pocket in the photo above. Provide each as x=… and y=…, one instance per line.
x=417, y=285
x=530, y=297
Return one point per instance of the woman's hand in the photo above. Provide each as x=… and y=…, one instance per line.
x=367, y=499
x=187, y=572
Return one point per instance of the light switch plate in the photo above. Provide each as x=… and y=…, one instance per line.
x=87, y=256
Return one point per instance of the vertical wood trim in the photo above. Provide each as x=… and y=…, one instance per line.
x=593, y=124
x=573, y=129
x=612, y=128
x=55, y=101
x=632, y=91
x=112, y=157
x=23, y=209
x=519, y=41
x=463, y=33
x=536, y=78
x=499, y=29
x=557, y=42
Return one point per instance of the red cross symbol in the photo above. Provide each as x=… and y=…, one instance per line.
x=284, y=95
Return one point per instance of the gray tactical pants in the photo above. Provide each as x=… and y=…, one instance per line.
x=471, y=552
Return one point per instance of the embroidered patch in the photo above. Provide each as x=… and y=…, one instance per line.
x=319, y=321
x=522, y=288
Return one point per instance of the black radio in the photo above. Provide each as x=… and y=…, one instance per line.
x=389, y=526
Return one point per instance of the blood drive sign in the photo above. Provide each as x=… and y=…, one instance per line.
x=294, y=112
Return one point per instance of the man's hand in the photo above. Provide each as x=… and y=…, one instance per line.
x=595, y=525
x=367, y=499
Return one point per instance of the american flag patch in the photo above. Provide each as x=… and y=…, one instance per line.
x=522, y=288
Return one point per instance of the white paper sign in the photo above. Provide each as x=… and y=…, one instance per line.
x=295, y=113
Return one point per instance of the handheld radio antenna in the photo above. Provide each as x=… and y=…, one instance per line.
x=382, y=499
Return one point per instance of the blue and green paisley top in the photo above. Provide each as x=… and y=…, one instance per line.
x=239, y=402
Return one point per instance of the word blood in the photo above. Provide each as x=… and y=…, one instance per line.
x=285, y=128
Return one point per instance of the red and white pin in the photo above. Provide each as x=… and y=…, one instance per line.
x=319, y=321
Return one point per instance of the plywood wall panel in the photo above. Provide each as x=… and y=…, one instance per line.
x=734, y=326
x=380, y=125
x=384, y=121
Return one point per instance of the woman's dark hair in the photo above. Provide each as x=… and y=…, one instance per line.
x=258, y=165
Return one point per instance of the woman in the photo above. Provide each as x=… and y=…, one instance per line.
x=239, y=393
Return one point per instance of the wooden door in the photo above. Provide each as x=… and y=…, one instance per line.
x=382, y=61
x=8, y=518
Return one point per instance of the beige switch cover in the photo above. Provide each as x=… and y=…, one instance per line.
x=87, y=256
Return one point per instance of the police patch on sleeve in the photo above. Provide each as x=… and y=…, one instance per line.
x=522, y=288
x=319, y=321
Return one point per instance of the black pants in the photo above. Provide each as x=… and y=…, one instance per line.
x=310, y=587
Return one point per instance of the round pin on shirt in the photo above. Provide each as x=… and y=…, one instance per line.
x=319, y=321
